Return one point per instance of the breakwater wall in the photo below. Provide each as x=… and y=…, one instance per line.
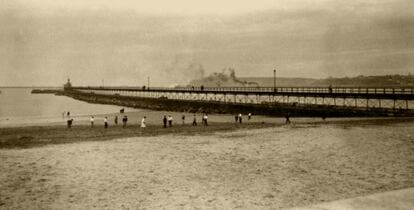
x=46, y=91
x=274, y=109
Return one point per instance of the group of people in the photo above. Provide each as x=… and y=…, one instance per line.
x=124, y=121
x=167, y=121
x=70, y=120
x=204, y=119
x=239, y=118
x=201, y=88
x=66, y=113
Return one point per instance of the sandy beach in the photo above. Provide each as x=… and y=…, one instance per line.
x=267, y=166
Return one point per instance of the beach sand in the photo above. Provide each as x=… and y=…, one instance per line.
x=260, y=168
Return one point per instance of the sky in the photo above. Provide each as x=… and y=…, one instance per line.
x=95, y=42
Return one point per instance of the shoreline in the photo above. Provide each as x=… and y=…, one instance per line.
x=35, y=136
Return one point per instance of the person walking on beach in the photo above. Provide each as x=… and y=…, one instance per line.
x=70, y=123
x=202, y=119
x=92, y=121
x=195, y=120
x=68, y=114
x=249, y=116
x=287, y=122
x=236, y=118
x=124, y=121
x=116, y=120
x=143, y=125
x=205, y=118
x=164, y=120
x=183, y=118
x=106, y=122
x=240, y=118
x=170, y=120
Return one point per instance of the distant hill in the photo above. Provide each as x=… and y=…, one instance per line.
x=381, y=81
x=228, y=78
x=360, y=81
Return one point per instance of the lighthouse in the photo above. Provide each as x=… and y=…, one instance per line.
x=68, y=85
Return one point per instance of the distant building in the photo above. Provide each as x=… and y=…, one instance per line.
x=68, y=85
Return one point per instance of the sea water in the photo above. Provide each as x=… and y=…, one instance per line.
x=18, y=106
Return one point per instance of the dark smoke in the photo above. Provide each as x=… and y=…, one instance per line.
x=226, y=78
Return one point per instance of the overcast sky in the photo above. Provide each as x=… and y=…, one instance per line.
x=43, y=42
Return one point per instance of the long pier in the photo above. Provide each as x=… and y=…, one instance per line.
x=372, y=97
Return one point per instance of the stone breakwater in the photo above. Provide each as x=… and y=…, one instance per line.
x=46, y=91
x=275, y=109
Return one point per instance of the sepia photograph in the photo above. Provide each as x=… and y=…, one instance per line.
x=219, y=104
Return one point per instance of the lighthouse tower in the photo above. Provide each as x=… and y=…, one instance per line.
x=68, y=85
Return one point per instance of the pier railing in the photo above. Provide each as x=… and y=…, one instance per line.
x=341, y=90
x=361, y=90
x=374, y=97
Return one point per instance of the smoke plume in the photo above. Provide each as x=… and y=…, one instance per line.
x=225, y=78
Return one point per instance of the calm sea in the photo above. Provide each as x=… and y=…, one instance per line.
x=19, y=106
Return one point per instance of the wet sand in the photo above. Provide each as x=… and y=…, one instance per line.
x=26, y=137
x=260, y=168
